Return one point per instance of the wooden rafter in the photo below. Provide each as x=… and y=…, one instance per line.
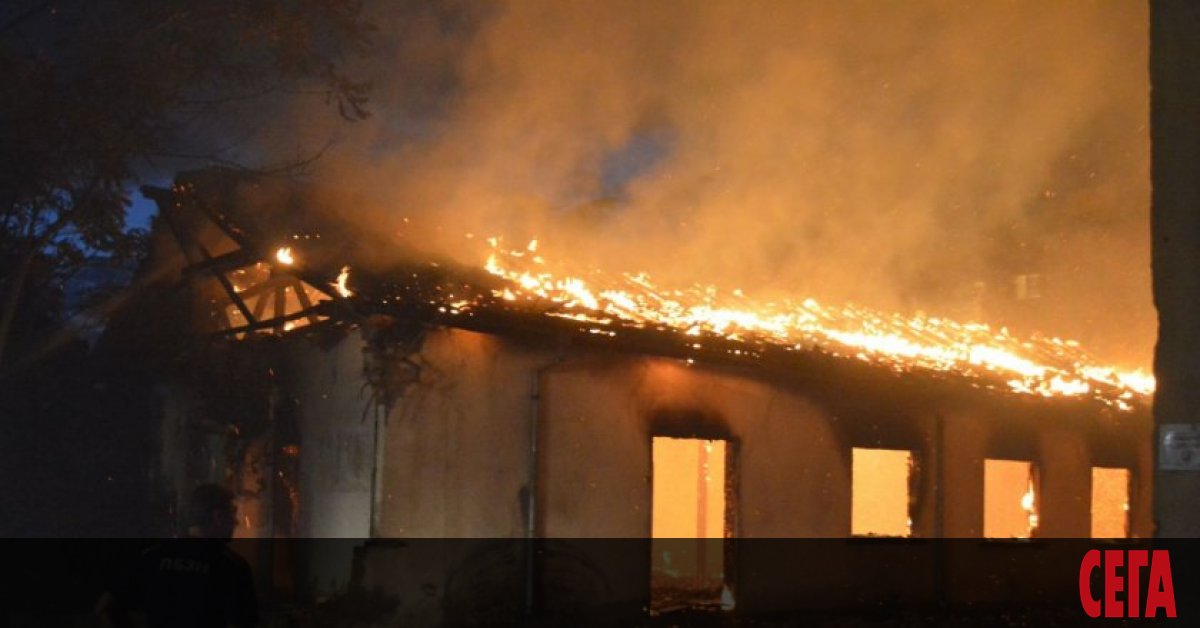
x=263, y=305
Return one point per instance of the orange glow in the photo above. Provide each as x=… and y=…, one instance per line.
x=284, y=256
x=340, y=286
x=270, y=293
x=1050, y=367
x=879, y=492
x=1110, y=503
x=1009, y=499
x=689, y=489
x=688, y=516
x=606, y=303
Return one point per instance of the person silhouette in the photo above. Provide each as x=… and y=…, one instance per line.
x=191, y=582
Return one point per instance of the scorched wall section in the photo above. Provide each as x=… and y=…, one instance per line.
x=458, y=446
x=457, y=455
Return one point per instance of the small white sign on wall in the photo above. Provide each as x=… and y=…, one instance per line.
x=1179, y=447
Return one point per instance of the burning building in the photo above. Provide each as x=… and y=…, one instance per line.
x=412, y=397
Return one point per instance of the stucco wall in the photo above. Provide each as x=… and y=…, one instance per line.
x=456, y=464
x=457, y=451
x=456, y=448
x=457, y=456
x=337, y=445
x=600, y=414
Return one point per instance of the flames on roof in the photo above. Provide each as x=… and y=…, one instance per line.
x=1043, y=366
x=514, y=284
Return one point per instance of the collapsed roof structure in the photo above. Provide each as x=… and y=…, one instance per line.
x=281, y=265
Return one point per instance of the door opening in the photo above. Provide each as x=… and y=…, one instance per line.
x=689, y=524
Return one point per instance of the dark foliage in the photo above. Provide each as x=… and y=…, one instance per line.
x=97, y=92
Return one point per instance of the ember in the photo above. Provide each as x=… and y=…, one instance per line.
x=340, y=285
x=284, y=256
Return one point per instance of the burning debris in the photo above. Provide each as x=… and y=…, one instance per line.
x=1049, y=367
x=1029, y=505
x=299, y=287
x=283, y=255
x=340, y=284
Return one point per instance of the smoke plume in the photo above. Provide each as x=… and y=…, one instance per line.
x=909, y=156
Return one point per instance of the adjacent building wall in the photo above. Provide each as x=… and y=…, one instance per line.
x=1175, y=229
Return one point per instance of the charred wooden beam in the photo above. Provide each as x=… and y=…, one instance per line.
x=275, y=322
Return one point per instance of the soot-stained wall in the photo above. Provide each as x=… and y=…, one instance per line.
x=456, y=459
x=457, y=449
x=337, y=445
x=454, y=462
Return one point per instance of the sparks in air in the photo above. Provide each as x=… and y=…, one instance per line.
x=1048, y=367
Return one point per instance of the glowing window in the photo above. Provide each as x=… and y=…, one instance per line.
x=689, y=488
x=688, y=521
x=1110, y=503
x=1009, y=499
x=880, y=480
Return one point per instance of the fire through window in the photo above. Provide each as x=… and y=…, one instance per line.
x=688, y=522
x=1010, y=499
x=1110, y=503
x=881, y=492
